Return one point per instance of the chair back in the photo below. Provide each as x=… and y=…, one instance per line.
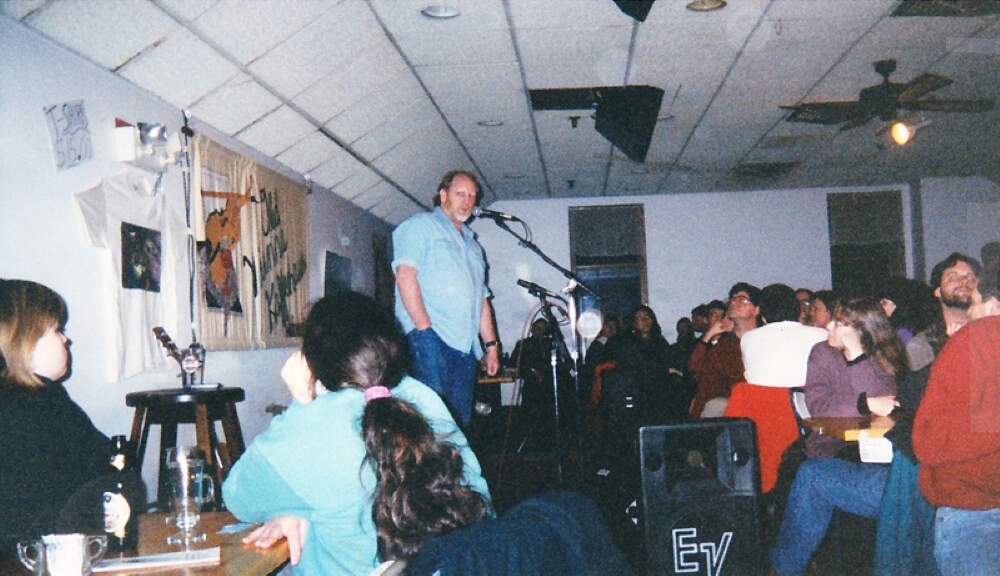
x=770, y=409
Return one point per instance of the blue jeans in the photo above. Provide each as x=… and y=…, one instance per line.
x=447, y=371
x=822, y=485
x=967, y=542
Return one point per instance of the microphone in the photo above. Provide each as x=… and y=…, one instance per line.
x=484, y=213
x=537, y=290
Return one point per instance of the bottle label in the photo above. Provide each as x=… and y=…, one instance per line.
x=118, y=461
x=116, y=513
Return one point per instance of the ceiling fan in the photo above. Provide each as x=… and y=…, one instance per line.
x=883, y=100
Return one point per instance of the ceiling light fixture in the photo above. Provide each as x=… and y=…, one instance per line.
x=440, y=11
x=903, y=132
x=490, y=123
x=706, y=5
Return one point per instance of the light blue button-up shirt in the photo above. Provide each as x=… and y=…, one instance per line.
x=451, y=272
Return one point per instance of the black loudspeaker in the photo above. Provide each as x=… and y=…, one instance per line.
x=699, y=494
x=637, y=9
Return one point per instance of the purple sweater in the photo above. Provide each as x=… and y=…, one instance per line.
x=832, y=388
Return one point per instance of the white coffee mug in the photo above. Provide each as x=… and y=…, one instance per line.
x=62, y=554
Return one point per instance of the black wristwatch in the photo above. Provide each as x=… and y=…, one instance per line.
x=488, y=344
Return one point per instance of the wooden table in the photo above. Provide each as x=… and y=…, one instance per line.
x=502, y=377
x=849, y=428
x=237, y=559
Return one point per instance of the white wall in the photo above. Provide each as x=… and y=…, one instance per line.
x=960, y=214
x=43, y=241
x=700, y=244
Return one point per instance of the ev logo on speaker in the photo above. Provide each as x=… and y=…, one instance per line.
x=687, y=551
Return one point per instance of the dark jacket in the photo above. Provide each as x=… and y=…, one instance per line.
x=50, y=449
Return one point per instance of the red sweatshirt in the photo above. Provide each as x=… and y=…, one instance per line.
x=956, y=434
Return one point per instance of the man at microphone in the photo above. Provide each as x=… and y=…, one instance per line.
x=441, y=294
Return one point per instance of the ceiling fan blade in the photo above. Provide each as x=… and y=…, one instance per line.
x=826, y=112
x=923, y=84
x=941, y=105
x=857, y=122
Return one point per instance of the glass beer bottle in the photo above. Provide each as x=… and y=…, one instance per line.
x=121, y=514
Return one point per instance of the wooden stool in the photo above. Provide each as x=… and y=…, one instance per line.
x=203, y=408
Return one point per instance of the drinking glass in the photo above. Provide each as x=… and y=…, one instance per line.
x=190, y=489
x=62, y=554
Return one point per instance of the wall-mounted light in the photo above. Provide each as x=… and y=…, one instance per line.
x=145, y=144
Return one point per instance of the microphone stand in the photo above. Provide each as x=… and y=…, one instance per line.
x=573, y=286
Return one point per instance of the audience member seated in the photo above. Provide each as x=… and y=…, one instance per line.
x=367, y=462
x=716, y=360
x=824, y=302
x=956, y=437
x=716, y=311
x=555, y=533
x=52, y=458
x=909, y=304
x=854, y=372
x=954, y=281
x=699, y=319
x=776, y=354
x=856, y=369
x=805, y=298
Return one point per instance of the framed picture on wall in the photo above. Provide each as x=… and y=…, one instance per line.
x=336, y=274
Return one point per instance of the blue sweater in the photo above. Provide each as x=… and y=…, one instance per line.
x=309, y=463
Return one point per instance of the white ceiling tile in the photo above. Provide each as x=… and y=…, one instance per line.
x=329, y=43
x=187, y=9
x=247, y=30
x=404, y=124
x=374, y=195
x=471, y=45
x=360, y=180
x=574, y=57
x=235, y=104
x=369, y=73
x=404, y=16
x=277, y=131
x=485, y=92
x=181, y=70
x=109, y=33
x=365, y=114
x=564, y=13
x=18, y=9
x=309, y=153
x=341, y=166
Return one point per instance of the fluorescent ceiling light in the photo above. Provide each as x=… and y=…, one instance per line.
x=490, y=123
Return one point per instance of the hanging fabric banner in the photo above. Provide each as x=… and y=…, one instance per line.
x=251, y=244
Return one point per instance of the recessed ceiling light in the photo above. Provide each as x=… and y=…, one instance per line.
x=706, y=5
x=440, y=11
x=490, y=123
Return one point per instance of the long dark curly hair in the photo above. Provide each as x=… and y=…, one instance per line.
x=352, y=342
x=420, y=490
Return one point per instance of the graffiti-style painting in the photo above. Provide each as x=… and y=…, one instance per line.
x=141, y=249
x=217, y=254
x=70, y=133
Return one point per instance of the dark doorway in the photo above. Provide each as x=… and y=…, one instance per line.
x=866, y=240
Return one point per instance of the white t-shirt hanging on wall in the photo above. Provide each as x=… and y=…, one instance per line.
x=125, y=215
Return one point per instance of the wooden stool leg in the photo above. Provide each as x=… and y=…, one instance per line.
x=234, y=434
x=204, y=436
x=168, y=439
x=139, y=436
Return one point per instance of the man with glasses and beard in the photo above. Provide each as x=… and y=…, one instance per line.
x=955, y=281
